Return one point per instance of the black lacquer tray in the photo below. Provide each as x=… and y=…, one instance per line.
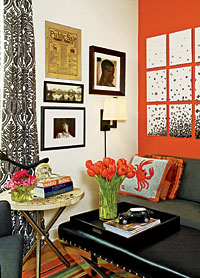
x=89, y=222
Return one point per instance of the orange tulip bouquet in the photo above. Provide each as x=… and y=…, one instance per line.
x=109, y=176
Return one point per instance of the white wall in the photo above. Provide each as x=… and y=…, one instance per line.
x=110, y=24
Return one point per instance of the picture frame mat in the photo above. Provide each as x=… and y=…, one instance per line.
x=117, y=71
x=51, y=113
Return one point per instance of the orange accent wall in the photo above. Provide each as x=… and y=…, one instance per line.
x=158, y=17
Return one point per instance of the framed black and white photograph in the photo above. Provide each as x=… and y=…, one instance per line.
x=62, y=127
x=63, y=92
x=106, y=71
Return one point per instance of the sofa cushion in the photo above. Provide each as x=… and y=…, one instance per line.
x=188, y=211
x=5, y=219
x=11, y=256
x=190, y=184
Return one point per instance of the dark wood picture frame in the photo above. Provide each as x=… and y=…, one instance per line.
x=61, y=92
x=51, y=120
x=120, y=60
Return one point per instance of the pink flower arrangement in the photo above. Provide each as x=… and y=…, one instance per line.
x=21, y=179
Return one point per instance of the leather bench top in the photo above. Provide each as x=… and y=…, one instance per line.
x=176, y=256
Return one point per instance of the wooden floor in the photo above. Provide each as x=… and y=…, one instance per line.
x=46, y=255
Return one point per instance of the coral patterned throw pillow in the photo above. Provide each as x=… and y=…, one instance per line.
x=175, y=180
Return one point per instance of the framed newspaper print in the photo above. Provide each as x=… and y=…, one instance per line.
x=63, y=92
x=106, y=71
x=63, y=51
x=62, y=127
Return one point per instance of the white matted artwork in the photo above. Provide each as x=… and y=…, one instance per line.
x=197, y=44
x=156, y=120
x=62, y=127
x=156, y=85
x=156, y=51
x=180, y=47
x=180, y=85
x=197, y=82
x=197, y=121
x=180, y=120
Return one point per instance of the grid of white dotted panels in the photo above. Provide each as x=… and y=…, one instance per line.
x=180, y=79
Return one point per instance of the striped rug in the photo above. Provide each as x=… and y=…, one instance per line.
x=78, y=267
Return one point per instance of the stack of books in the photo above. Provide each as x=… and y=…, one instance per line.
x=131, y=229
x=56, y=185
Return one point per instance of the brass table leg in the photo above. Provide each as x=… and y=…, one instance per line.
x=38, y=245
x=25, y=258
x=43, y=235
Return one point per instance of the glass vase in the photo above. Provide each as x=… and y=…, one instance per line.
x=22, y=194
x=107, y=203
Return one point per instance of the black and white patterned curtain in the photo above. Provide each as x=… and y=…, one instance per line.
x=19, y=138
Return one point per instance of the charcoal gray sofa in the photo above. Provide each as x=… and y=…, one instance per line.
x=11, y=246
x=187, y=202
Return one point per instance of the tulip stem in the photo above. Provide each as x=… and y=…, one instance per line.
x=105, y=141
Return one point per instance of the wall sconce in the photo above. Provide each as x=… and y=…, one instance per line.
x=114, y=109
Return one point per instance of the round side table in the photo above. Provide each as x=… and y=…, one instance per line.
x=59, y=202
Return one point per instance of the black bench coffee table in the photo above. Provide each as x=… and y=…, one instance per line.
x=167, y=250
